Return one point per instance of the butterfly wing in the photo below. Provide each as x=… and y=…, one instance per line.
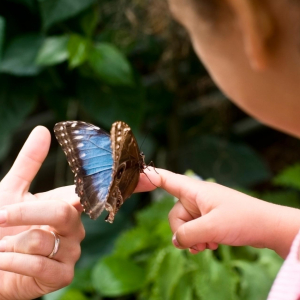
x=127, y=165
x=89, y=154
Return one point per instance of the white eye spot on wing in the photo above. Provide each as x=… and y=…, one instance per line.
x=82, y=155
x=79, y=137
x=80, y=145
x=74, y=124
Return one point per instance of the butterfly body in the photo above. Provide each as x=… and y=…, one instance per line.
x=106, y=167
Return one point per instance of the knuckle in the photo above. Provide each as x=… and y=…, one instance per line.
x=36, y=241
x=39, y=265
x=76, y=252
x=81, y=233
x=68, y=277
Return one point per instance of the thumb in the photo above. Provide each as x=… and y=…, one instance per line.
x=197, y=231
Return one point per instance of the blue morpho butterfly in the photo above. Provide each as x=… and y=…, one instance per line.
x=106, y=167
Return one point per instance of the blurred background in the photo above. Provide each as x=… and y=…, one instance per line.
x=106, y=60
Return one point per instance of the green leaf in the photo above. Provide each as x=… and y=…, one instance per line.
x=16, y=104
x=170, y=271
x=132, y=241
x=53, y=51
x=57, y=295
x=89, y=21
x=287, y=198
x=114, y=276
x=110, y=64
x=107, y=105
x=78, y=50
x=289, y=177
x=54, y=11
x=271, y=262
x=155, y=263
x=2, y=33
x=20, y=55
x=101, y=235
x=183, y=290
x=214, y=280
x=255, y=281
x=28, y=3
x=73, y=294
x=231, y=164
x=155, y=213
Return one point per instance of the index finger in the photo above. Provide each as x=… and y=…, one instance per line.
x=29, y=161
x=178, y=185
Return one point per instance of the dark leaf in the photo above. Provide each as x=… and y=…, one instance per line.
x=16, y=104
x=231, y=164
x=28, y=3
x=54, y=11
x=2, y=32
x=89, y=22
x=20, y=55
x=107, y=105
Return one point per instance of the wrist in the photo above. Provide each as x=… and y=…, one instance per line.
x=284, y=224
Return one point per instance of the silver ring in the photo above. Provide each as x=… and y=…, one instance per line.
x=56, y=245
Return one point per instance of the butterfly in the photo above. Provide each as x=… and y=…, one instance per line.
x=106, y=167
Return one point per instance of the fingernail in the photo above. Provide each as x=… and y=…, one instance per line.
x=3, y=216
x=195, y=248
x=174, y=240
x=2, y=246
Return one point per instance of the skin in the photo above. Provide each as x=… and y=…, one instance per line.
x=252, y=53
x=25, y=224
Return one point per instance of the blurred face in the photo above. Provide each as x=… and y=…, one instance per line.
x=222, y=41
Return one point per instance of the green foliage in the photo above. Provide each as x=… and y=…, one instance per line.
x=54, y=11
x=2, y=33
x=110, y=64
x=20, y=55
x=53, y=51
x=290, y=177
x=78, y=48
x=109, y=278
x=231, y=164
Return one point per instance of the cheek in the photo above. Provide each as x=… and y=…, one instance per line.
x=227, y=64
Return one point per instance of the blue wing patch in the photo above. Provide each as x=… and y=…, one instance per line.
x=89, y=154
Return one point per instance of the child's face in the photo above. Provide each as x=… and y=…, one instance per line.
x=263, y=90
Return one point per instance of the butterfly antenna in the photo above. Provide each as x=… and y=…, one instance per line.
x=144, y=140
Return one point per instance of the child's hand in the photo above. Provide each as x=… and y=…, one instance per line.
x=208, y=214
x=26, y=222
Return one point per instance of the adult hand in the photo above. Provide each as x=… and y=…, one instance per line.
x=26, y=222
x=208, y=214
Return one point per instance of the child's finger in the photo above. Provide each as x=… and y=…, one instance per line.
x=198, y=231
x=29, y=160
x=180, y=186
